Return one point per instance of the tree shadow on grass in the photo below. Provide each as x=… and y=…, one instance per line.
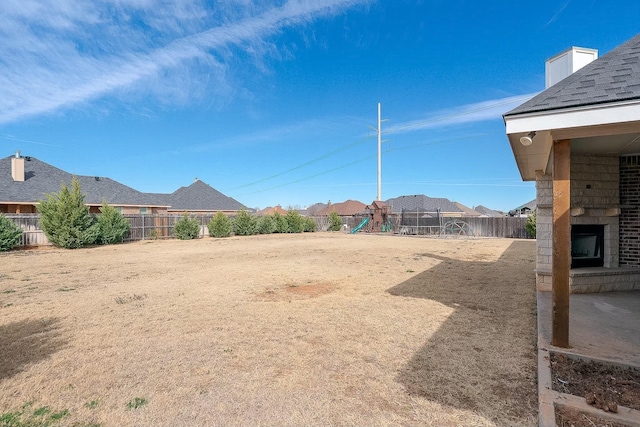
x=482, y=358
x=27, y=342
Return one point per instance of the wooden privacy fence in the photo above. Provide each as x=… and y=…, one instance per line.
x=145, y=227
x=505, y=226
x=32, y=235
x=142, y=227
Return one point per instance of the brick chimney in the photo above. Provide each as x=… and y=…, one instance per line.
x=17, y=167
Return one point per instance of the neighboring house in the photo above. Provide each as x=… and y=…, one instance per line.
x=579, y=141
x=24, y=181
x=428, y=205
x=467, y=211
x=271, y=210
x=344, y=209
x=486, y=212
x=199, y=198
x=524, y=210
x=313, y=209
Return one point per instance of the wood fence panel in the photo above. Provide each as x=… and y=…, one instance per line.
x=144, y=227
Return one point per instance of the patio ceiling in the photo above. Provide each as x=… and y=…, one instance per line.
x=602, y=130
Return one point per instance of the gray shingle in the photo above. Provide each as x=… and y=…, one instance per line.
x=422, y=203
x=41, y=179
x=200, y=196
x=612, y=78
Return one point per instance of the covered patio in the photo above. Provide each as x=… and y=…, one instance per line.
x=580, y=141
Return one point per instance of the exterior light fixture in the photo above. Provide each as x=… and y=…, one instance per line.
x=528, y=139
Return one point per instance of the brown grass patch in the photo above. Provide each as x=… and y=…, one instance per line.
x=292, y=291
x=313, y=329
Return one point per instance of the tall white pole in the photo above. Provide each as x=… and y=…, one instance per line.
x=379, y=154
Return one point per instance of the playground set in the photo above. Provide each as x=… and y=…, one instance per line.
x=378, y=219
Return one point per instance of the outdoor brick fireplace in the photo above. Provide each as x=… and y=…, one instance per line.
x=587, y=245
x=602, y=224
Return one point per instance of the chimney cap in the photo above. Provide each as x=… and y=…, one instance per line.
x=17, y=154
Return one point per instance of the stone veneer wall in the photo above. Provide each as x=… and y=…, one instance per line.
x=595, y=188
x=630, y=211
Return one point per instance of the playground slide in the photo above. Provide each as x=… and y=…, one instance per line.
x=359, y=227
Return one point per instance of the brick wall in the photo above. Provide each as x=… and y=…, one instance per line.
x=630, y=211
x=595, y=187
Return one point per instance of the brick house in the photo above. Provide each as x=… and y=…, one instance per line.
x=579, y=140
x=24, y=181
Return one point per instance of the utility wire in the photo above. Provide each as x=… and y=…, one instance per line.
x=312, y=176
x=361, y=140
x=317, y=159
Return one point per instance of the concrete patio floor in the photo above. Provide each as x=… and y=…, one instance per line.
x=602, y=326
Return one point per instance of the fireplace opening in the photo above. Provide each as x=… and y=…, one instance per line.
x=587, y=245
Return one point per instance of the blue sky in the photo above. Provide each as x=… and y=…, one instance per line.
x=272, y=102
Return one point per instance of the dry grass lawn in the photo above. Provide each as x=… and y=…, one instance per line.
x=313, y=329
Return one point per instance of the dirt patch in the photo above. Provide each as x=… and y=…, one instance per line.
x=296, y=292
x=570, y=417
x=603, y=386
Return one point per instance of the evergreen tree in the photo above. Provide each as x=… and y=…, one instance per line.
x=335, y=222
x=295, y=222
x=244, y=224
x=113, y=226
x=10, y=233
x=186, y=228
x=282, y=226
x=266, y=225
x=65, y=219
x=220, y=225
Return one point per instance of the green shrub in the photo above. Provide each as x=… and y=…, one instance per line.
x=244, y=224
x=530, y=225
x=295, y=222
x=266, y=225
x=220, y=225
x=10, y=233
x=113, y=226
x=335, y=222
x=186, y=228
x=310, y=224
x=282, y=226
x=65, y=219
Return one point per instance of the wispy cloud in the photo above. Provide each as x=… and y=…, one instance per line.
x=60, y=53
x=470, y=113
x=555, y=17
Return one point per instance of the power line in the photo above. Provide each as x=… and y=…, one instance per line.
x=361, y=140
x=309, y=177
x=317, y=159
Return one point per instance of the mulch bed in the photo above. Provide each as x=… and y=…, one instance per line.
x=603, y=386
x=569, y=417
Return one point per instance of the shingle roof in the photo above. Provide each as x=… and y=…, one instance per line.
x=41, y=179
x=532, y=205
x=347, y=208
x=200, y=196
x=273, y=209
x=467, y=210
x=488, y=212
x=422, y=203
x=613, y=77
x=314, y=209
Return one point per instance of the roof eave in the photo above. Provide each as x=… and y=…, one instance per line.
x=569, y=123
